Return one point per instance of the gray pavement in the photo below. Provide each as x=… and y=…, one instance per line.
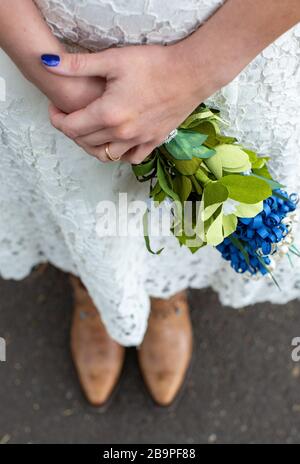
x=243, y=386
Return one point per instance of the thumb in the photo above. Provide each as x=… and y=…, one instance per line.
x=80, y=64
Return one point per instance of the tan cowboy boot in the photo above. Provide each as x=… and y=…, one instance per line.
x=165, y=353
x=97, y=357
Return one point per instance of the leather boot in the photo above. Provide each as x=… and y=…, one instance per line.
x=97, y=357
x=165, y=353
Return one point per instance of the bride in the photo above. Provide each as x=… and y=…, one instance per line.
x=116, y=102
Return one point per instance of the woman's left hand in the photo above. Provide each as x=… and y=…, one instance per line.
x=149, y=91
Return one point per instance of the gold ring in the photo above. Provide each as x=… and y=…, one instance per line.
x=109, y=155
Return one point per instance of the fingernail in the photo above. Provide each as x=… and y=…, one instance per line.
x=50, y=60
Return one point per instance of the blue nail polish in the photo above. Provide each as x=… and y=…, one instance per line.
x=50, y=60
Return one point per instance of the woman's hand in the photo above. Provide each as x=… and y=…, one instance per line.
x=24, y=35
x=150, y=90
x=71, y=94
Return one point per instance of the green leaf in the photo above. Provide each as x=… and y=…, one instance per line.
x=202, y=176
x=214, y=164
x=238, y=244
x=144, y=168
x=252, y=155
x=248, y=211
x=246, y=189
x=233, y=158
x=260, y=259
x=164, y=183
x=183, y=187
x=214, y=234
x=272, y=183
x=229, y=224
x=209, y=211
x=160, y=196
x=188, y=144
x=184, y=142
x=278, y=195
x=146, y=236
x=257, y=161
x=225, y=139
x=214, y=192
x=196, y=186
x=188, y=167
x=193, y=243
x=262, y=172
x=155, y=190
x=195, y=117
x=211, y=129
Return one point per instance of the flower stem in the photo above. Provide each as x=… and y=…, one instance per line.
x=202, y=177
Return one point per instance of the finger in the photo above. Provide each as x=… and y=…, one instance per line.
x=81, y=64
x=53, y=110
x=122, y=133
x=98, y=115
x=56, y=116
x=96, y=139
x=137, y=154
x=116, y=150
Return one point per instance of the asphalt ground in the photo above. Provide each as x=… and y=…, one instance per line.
x=243, y=387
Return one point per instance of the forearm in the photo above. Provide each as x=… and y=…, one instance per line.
x=24, y=36
x=220, y=49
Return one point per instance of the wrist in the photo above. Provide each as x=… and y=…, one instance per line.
x=199, y=67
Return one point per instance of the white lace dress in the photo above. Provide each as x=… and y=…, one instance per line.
x=49, y=188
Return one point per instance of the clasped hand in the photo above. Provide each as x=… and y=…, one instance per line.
x=148, y=92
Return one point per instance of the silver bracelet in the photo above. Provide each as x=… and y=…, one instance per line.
x=170, y=137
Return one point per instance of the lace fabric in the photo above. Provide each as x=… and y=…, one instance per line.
x=49, y=187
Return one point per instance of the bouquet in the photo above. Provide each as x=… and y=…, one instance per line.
x=234, y=203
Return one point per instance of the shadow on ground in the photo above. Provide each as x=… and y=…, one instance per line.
x=243, y=387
